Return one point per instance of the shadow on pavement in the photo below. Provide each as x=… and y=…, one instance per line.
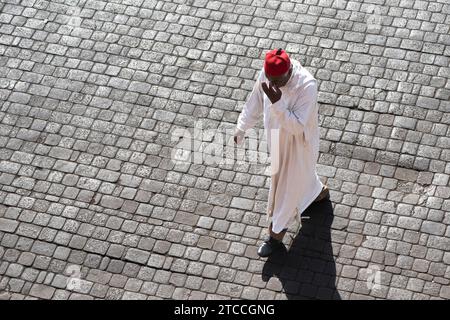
x=307, y=270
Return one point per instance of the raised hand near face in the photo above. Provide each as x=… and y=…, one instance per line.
x=272, y=92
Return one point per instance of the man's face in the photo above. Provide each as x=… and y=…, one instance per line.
x=281, y=81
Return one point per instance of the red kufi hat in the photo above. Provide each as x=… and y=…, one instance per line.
x=276, y=63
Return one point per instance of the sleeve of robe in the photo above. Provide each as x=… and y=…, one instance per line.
x=253, y=108
x=294, y=118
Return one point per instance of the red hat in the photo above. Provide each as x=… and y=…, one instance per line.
x=277, y=62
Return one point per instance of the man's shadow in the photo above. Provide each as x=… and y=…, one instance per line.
x=307, y=270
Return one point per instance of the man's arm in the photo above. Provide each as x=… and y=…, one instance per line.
x=252, y=110
x=294, y=118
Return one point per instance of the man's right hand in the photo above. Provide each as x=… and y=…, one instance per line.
x=272, y=92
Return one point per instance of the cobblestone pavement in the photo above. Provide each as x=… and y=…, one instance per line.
x=93, y=207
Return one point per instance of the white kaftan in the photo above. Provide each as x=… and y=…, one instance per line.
x=291, y=124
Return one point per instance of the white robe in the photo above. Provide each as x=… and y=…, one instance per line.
x=291, y=124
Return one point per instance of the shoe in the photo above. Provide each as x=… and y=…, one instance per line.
x=269, y=246
x=324, y=194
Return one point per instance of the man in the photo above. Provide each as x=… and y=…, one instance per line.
x=286, y=94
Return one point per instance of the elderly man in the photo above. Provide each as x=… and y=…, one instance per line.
x=285, y=93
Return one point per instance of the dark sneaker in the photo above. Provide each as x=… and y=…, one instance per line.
x=269, y=246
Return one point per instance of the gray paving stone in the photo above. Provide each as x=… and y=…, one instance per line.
x=409, y=223
x=14, y=270
x=444, y=293
x=43, y=248
x=96, y=246
x=99, y=290
x=8, y=225
x=241, y=203
x=137, y=256
x=111, y=202
x=42, y=291
x=118, y=281
x=433, y=228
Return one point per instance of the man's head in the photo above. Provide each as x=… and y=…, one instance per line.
x=277, y=67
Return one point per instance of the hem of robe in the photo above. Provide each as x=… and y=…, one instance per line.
x=276, y=228
x=316, y=194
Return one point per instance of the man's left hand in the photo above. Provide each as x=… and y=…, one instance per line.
x=272, y=92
